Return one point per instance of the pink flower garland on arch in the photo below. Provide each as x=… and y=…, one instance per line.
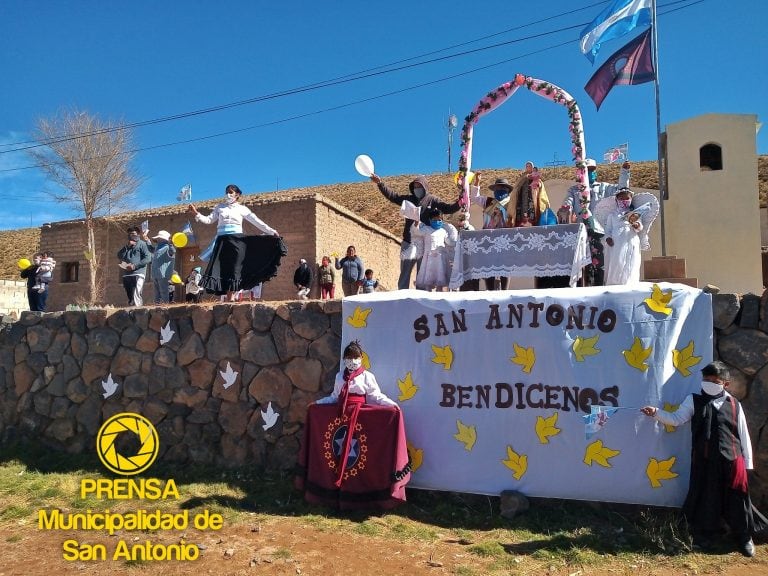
x=547, y=90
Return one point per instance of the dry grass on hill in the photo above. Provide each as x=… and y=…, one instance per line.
x=17, y=244
x=364, y=199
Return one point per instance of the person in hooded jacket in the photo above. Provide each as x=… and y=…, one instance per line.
x=302, y=279
x=419, y=196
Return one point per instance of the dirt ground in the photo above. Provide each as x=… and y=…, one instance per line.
x=288, y=546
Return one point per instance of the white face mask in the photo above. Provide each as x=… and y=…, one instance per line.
x=353, y=364
x=231, y=198
x=419, y=192
x=711, y=388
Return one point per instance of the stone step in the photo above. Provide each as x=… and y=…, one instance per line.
x=664, y=267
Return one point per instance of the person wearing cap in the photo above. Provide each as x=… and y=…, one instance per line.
x=410, y=254
x=192, y=286
x=494, y=217
x=721, y=454
x=594, y=274
x=302, y=279
x=134, y=257
x=163, y=260
x=494, y=207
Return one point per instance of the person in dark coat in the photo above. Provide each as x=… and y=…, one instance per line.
x=134, y=257
x=302, y=279
x=35, y=297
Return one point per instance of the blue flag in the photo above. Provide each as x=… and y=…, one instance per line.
x=597, y=418
x=631, y=64
x=185, y=194
x=621, y=17
x=189, y=233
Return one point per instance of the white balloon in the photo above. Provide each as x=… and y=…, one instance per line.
x=364, y=165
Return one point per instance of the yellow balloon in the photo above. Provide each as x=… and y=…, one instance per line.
x=179, y=239
x=176, y=279
x=23, y=263
x=470, y=177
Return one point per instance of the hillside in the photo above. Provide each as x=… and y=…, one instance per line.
x=364, y=199
x=17, y=244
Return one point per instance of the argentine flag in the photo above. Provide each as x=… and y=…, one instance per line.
x=620, y=17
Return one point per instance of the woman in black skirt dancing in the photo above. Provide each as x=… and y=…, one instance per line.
x=235, y=261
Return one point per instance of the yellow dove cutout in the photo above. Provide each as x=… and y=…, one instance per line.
x=518, y=463
x=659, y=300
x=467, y=435
x=545, y=427
x=657, y=471
x=415, y=455
x=670, y=408
x=525, y=357
x=359, y=318
x=407, y=388
x=366, y=361
x=585, y=347
x=637, y=355
x=443, y=355
x=597, y=453
x=684, y=359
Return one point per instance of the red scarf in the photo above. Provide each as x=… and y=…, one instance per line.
x=354, y=401
x=739, y=479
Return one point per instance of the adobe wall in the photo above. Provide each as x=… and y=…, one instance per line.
x=310, y=226
x=721, y=247
x=13, y=297
x=52, y=367
x=378, y=249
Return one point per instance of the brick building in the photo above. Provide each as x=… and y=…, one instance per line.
x=311, y=225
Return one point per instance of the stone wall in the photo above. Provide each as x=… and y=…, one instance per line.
x=52, y=367
x=741, y=341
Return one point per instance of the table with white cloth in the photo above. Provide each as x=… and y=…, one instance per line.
x=561, y=250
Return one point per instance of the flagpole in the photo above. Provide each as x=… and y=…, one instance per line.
x=659, y=146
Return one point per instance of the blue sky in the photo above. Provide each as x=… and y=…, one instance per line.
x=141, y=60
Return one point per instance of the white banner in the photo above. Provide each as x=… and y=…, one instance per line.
x=495, y=386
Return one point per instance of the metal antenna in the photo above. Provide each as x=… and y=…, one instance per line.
x=452, y=123
x=555, y=163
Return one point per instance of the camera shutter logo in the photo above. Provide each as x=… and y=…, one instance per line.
x=107, y=443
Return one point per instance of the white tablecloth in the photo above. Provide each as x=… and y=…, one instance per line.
x=560, y=250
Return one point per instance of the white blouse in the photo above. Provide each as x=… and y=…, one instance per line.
x=364, y=383
x=229, y=218
x=685, y=412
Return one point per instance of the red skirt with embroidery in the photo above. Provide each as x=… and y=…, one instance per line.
x=376, y=469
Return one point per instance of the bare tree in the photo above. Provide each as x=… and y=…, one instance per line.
x=89, y=161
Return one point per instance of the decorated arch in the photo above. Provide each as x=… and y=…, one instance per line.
x=496, y=98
